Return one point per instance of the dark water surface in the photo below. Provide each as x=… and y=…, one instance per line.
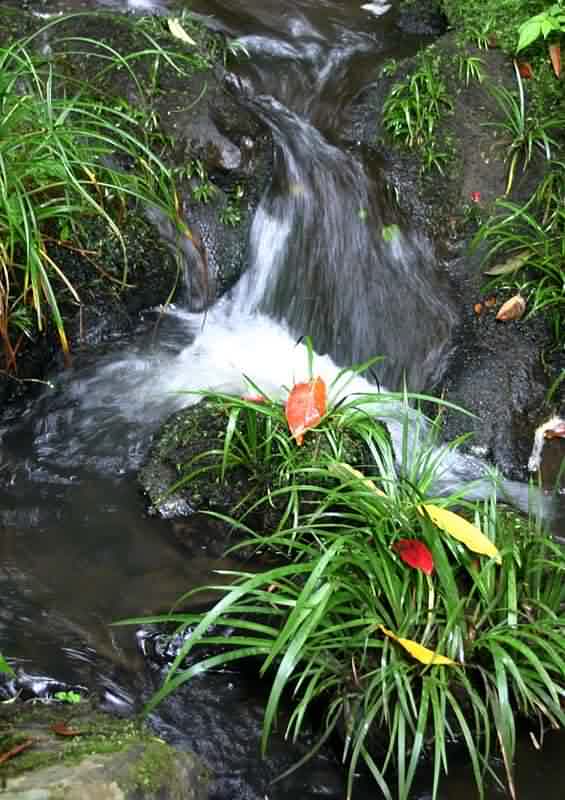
x=77, y=550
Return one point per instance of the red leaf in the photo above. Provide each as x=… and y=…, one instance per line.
x=525, y=69
x=555, y=56
x=476, y=197
x=62, y=730
x=415, y=553
x=305, y=407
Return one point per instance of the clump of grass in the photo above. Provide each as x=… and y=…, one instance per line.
x=531, y=236
x=521, y=131
x=340, y=623
x=413, y=110
x=68, y=154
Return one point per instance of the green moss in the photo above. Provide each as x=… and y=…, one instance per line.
x=154, y=769
x=99, y=734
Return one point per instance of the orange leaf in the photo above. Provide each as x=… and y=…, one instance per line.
x=305, y=407
x=512, y=309
x=555, y=56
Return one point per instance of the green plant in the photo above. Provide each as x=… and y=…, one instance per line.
x=549, y=21
x=231, y=212
x=63, y=159
x=526, y=243
x=406, y=656
x=470, y=68
x=521, y=132
x=414, y=107
x=338, y=621
x=5, y=667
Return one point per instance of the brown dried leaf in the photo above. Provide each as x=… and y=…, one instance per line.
x=478, y=309
x=512, y=309
x=555, y=56
x=557, y=429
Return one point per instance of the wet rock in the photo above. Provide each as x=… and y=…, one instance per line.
x=424, y=18
x=81, y=754
x=501, y=380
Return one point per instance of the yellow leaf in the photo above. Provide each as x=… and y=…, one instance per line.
x=178, y=31
x=461, y=530
x=342, y=470
x=418, y=651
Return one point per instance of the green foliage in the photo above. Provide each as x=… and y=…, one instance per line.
x=485, y=23
x=413, y=109
x=470, y=68
x=315, y=623
x=64, y=159
x=536, y=232
x=231, y=212
x=5, y=667
x=522, y=131
x=70, y=697
x=549, y=21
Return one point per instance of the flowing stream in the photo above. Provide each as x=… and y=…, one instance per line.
x=77, y=550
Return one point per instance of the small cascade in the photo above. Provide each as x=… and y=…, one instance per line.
x=332, y=258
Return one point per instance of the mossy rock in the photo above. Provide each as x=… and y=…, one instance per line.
x=183, y=471
x=78, y=753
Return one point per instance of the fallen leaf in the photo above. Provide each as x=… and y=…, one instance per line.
x=556, y=430
x=179, y=32
x=478, y=309
x=555, y=56
x=15, y=750
x=305, y=407
x=460, y=529
x=525, y=70
x=415, y=553
x=418, y=651
x=511, y=264
x=512, y=309
x=61, y=729
x=342, y=470
x=490, y=302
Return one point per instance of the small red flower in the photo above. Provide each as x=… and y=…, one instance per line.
x=415, y=553
x=476, y=197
